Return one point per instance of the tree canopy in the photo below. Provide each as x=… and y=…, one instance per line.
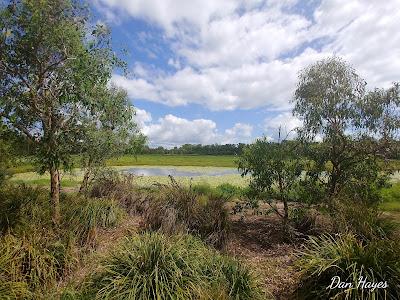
x=54, y=74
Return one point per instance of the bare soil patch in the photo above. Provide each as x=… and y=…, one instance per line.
x=261, y=243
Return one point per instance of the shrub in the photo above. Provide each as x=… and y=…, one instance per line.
x=228, y=190
x=350, y=259
x=178, y=209
x=31, y=265
x=121, y=187
x=302, y=219
x=364, y=221
x=153, y=266
x=87, y=215
x=23, y=207
x=202, y=188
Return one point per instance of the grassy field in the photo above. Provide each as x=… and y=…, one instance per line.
x=166, y=160
x=74, y=178
x=150, y=160
x=174, y=160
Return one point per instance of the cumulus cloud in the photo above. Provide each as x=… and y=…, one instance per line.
x=246, y=54
x=284, y=121
x=239, y=133
x=142, y=117
x=171, y=130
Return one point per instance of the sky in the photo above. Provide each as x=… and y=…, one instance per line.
x=225, y=71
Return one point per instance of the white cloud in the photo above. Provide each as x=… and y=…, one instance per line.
x=239, y=133
x=247, y=54
x=171, y=130
x=142, y=117
x=286, y=122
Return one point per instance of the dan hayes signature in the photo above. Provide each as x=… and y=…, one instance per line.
x=362, y=283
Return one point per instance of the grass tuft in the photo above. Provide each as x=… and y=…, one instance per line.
x=178, y=209
x=153, y=266
x=350, y=259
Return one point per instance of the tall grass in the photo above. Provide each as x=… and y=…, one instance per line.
x=364, y=221
x=178, y=209
x=350, y=259
x=153, y=266
x=23, y=207
x=87, y=215
x=120, y=187
x=34, y=255
x=31, y=265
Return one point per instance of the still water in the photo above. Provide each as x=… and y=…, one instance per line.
x=179, y=172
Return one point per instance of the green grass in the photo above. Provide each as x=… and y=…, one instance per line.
x=174, y=160
x=345, y=256
x=150, y=160
x=391, y=198
x=153, y=266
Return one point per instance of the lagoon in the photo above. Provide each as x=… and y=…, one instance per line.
x=180, y=172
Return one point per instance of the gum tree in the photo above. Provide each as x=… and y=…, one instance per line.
x=110, y=133
x=356, y=127
x=274, y=171
x=54, y=70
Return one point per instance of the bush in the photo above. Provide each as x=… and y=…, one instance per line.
x=23, y=207
x=153, y=266
x=121, y=187
x=31, y=265
x=227, y=190
x=87, y=215
x=178, y=209
x=364, y=221
x=202, y=188
x=224, y=190
x=347, y=257
x=302, y=219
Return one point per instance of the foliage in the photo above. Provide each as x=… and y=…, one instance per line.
x=223, y=190
x=364, y=221
x=30, y=265
x=87, y=215
x=22, y=208
x=153, y=266
x=117, y=133
x=274, y=169
x=345, y=256
x=178, y=209
x=356, y=128
x=190, y=149
x=302, y=219
x=54, y=71
x=120, y=187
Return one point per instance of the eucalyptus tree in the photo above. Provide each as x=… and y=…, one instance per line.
x=110, y=133
x=54, y=71
x=355, y=126
x=274, y=170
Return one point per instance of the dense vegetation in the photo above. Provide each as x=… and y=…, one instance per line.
x=318, y=197
x=215, y=149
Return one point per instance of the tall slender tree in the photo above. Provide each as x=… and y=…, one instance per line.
x=54, y=71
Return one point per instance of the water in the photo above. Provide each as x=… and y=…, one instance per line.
x=178, y=172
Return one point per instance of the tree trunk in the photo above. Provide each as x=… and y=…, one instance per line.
x=286, y=210
x=284, y=199
x=85, y=181
x=55, y=195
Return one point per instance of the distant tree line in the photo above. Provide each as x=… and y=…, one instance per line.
x=190, y=149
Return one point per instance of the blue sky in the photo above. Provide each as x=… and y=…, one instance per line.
x=216, y=71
